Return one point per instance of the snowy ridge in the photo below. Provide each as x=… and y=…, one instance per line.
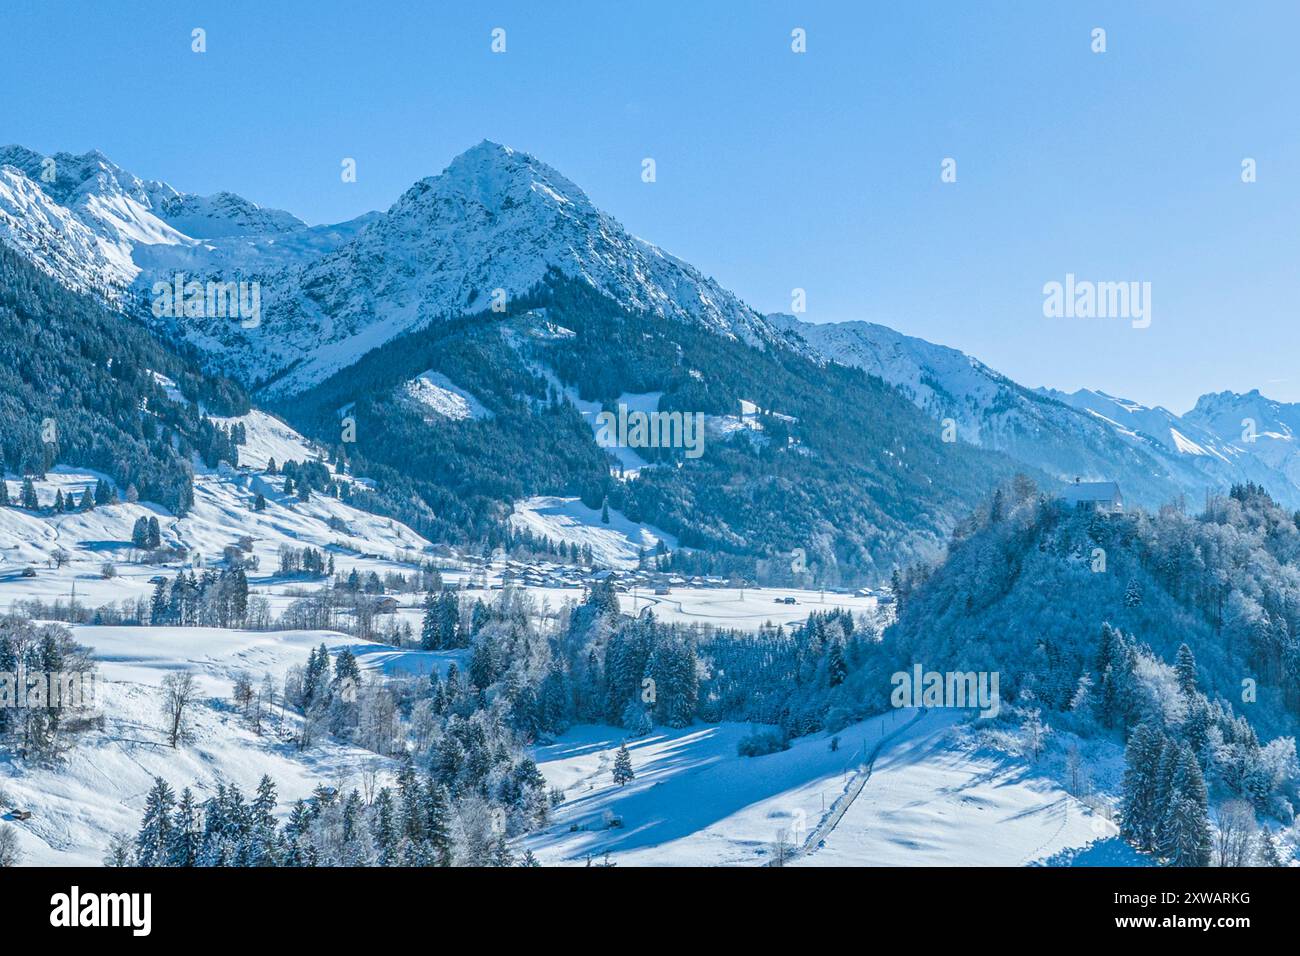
x=496, y=218
x=1154, y=454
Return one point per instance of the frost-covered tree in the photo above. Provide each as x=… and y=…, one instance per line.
x=623, y=773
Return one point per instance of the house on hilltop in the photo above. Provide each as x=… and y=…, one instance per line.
x=1101, y=496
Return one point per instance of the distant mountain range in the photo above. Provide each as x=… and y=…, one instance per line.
x=1155, y=454
x=500, y=279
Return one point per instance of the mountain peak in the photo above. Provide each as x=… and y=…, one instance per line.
x=501, y=177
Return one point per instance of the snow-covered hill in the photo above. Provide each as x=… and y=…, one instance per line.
x=930, y=799
x=99, y=788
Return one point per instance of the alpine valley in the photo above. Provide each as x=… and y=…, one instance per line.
x=335, y=499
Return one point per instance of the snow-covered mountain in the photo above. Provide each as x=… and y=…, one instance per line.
x=140, y=211
x=58, y=242
x=1265, y=429
x=496, y=224
x=100, y=229
x=495, y=219
x=1153, y=453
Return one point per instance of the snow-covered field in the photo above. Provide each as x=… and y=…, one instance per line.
x=929, y=800
x=569, y=521
x=934, y=799
x=100, y=787
x=746, y=610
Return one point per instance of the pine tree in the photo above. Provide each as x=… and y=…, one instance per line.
x=1185, y=669
x=604, y=511
x=1139, y=811
x=836, y=667
x=154, y=840
x=437, y=827
x=29, y=495
x=429, y=629
x=623, y=774
x=1184, y=837
x=384, y=828
x=1269, y=855
x=501, y=855
x=187, y=834
x=1133, y=594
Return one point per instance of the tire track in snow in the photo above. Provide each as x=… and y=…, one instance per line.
x=845, y=800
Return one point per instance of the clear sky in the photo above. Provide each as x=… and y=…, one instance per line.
x=776, y=170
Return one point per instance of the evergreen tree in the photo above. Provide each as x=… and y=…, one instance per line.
x=154, y=841
x=186, y=834
x=384, y=828
x=1185, y=669
x=623, y=774
x=437, y=827
x=1184, y=837
x=1139, y=810
x=1269, y=855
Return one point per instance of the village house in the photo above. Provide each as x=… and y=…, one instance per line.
x=1100, y=496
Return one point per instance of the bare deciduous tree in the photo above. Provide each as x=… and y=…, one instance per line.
x=1234, y=843
x=179, y=692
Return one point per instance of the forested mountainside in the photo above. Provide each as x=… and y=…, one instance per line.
x=834, y=461
x=81, y=383
x=1103, y=622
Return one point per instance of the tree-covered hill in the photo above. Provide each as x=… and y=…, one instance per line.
x=843, y=467
x=79, y=384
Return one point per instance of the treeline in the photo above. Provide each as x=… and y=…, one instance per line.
x=78, y=384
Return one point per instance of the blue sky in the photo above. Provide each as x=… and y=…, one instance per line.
x=775, y=170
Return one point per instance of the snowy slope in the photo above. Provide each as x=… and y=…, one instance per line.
x=568, y=520
x=443, y=398
x=932, y=800
x=695, y=802
x=100, y=788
